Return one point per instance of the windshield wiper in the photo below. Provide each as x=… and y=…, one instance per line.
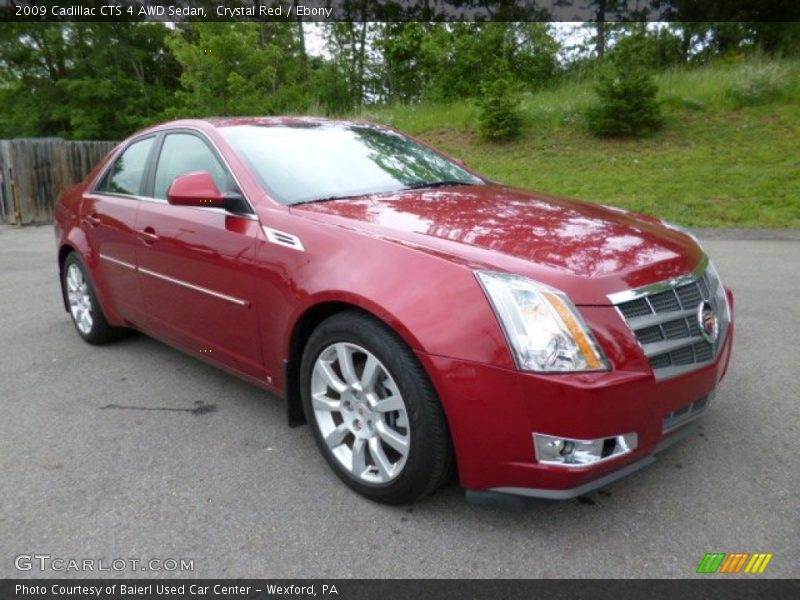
x=435, y=184
x=324, y=199
x=414, y=186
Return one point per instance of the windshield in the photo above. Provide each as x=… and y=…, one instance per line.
x=315, y=162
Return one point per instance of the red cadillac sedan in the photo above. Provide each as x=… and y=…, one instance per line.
x=423, y=320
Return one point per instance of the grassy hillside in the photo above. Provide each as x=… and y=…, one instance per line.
x=728, y=156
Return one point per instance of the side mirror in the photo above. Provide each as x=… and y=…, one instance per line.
x=195, y=189
x=460, y=162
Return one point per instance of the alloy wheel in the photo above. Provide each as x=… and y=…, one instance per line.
x=80, y=302
x=360, y=413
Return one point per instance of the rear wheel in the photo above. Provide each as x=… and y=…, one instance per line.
x=84, y=308
x=373, y=411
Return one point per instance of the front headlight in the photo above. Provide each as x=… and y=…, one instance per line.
x=721, y=296
x=543, y=327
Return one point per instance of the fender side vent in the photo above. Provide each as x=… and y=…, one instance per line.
x=281, y=238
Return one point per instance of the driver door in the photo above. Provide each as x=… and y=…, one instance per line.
x=196, y=263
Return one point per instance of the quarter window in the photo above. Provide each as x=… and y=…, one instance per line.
x=184, y=153
x=125, y=177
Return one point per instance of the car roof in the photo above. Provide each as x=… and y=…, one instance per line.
x=289, y=120
x=221, y=122
x=206, y=123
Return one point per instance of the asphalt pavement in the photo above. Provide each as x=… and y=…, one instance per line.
x=136, y=451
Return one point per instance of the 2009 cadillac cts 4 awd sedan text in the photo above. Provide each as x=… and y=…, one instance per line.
x=422, y=320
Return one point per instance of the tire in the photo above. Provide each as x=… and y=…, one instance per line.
x=395, y=402
x=84, y=308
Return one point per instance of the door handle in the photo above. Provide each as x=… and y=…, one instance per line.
x=92, y=219
x=147, y=235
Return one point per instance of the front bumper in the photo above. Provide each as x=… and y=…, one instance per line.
x=566, y=494
x=492, y=413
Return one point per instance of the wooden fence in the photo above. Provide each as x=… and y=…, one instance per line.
x=33, y=172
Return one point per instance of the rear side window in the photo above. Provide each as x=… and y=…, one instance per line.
x=184, y=153
x=125, y=177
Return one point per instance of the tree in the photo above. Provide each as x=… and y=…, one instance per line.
x=236, y=68
x=329, y=88
x=33, y=59
x=90, y=80
x=348, y=45
x=121, y=78
x=477, y=49
x=626, y=92
x=777, y=37
x=405, y=70
x=499, y=118
x=532, y=54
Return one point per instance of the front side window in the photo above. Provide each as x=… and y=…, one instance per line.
x=306, y=163
x=125, y=177
x=184, y=153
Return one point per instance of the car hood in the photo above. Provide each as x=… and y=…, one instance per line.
x=587, y=250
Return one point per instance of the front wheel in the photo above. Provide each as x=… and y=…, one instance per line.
x=373, y=411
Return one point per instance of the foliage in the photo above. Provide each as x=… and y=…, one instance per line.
x=626, y=90
x=777, y=37
x=442, y=62
x=533, y=54
x=105, y=80
x=89, y=80
x=499, y=117
x=236, y=69
x=332, y=93
x=758, y=83
x=666, y=48
x=406, y=68
x=725, y=156
x=348, y=46
x=718, y=166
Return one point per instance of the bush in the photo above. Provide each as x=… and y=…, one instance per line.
x=626, y=91
x=499, y=116
x=758, y=84
x=627, y=105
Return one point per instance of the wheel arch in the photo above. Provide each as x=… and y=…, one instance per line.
x=303, y=327
x=63, y=252
x=77, y=242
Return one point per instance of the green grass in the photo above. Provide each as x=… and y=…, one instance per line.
x=728, y=156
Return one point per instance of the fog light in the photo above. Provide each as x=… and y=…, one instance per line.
x=567, y=449
x=568, y=452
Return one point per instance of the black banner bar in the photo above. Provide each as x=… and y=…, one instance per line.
x=731, y=588
x=400, y=10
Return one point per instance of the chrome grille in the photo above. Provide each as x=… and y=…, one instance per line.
x=663, y=317
x=635, y=308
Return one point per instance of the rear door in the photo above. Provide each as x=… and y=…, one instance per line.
x=109, y=219
x=196, y=263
